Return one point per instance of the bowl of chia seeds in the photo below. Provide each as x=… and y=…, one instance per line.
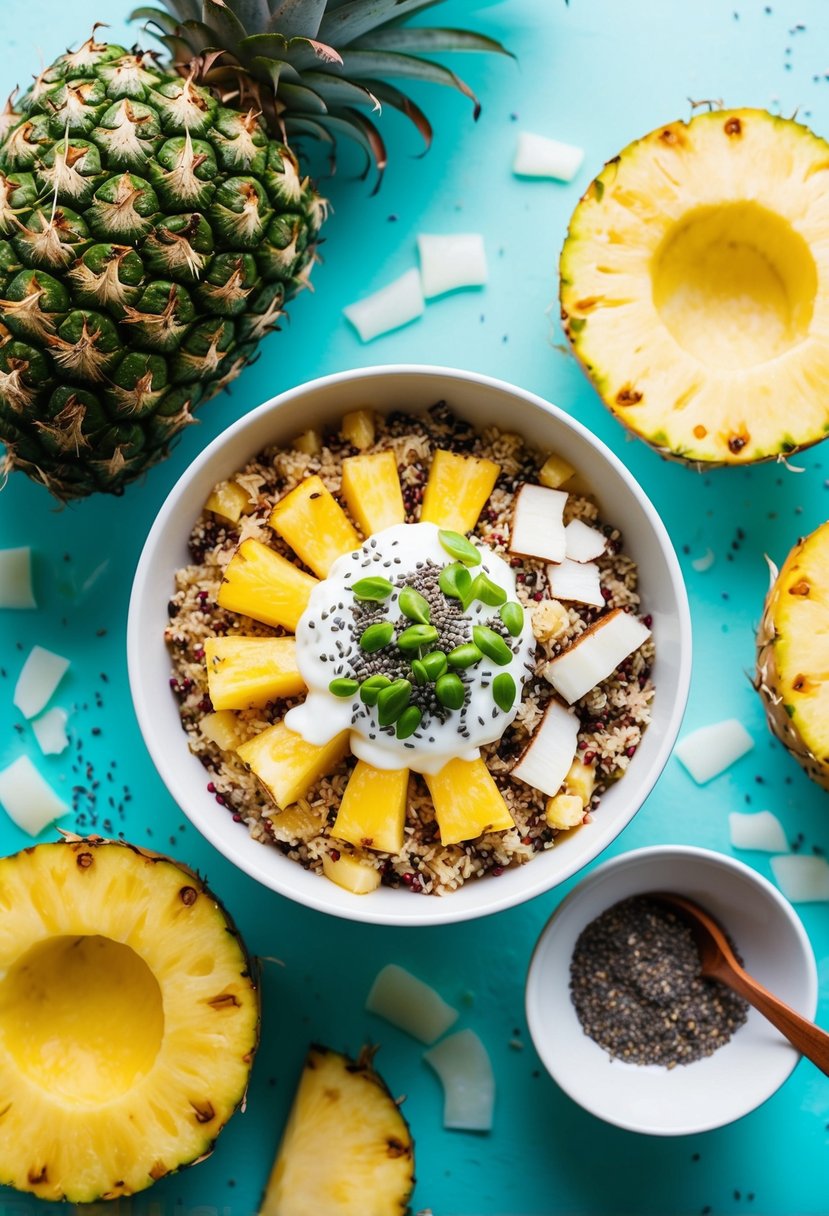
x=623, y=1021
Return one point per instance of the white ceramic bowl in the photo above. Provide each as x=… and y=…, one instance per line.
x=710, y=1092
x=484, y=402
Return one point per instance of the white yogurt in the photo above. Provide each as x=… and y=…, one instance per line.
x=326, y=644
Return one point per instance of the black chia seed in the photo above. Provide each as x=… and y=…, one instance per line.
x=636, y=986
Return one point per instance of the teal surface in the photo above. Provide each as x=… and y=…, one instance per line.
x=597, y=73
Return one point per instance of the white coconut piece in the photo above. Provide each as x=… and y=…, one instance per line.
x=38, y=679
x=761, y=831
x=584, y=544
x=27, y=798
x=448, y=263
x=50, y=731
x=538, y=525
x=16, y=579
x=463, y=1065
x=709, y=751
x=803, y=880
x=701, y=564
x=540, y=156
x=546, y=760
x=596, y=654
x=405, y=1001
x=389, y=308
x=576, y=581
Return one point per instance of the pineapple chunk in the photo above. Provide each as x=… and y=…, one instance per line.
x=265, y=586
x=244, y=673
x=581, y=780
x=457, y=489
x=351, y=874
x=314, y=524
x=554, y=472
x=299, y=821
x=371, y=489
x=373, y=808
x=229, y=500
x=564, y=811
x=222, y=729
x=358, y=429
x=309, y=443
x=286, y=765
x=467, y=801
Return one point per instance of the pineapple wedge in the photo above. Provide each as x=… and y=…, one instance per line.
x=467, y=801
x=457, y=489
x=371, y=489
x=314, y=524
x=286, y=765
x=358, y=429
x=309, y=443
x=245, y=673
x=554, y=472
x=222, y=729
x=351, y=874
x=229, y=500
x=263, y=585
x=346, y=1149
x=372, y=811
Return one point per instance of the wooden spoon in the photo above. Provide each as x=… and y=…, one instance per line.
x=718, y=962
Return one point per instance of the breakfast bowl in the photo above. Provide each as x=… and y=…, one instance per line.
x=751, y=1061
x=163, y=686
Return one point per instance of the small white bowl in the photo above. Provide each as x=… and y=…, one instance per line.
x=484, y=402
x=708, y=1093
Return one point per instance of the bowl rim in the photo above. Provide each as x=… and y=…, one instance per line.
x=216, y=834
x=539, y=1032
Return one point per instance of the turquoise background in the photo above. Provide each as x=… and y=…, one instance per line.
x=597, y=73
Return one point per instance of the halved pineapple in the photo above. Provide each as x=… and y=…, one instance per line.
x=286, y=765
x=793, y=655
x=693, y=287
x=128, y=1019
x=467, y=801
x=263, y=585
x=371, y=489
x=244, y=673
x=372, y=810
x=346, y=1149
x=314, y=524
x=229, y=500
x=457, y=489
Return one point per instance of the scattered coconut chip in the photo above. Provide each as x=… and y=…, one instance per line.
x=539, y=156
x=596, y=654
x=389, y=308
x=448, y=263
x=576, y=581
x=538, y=524
x=40, y=676
x=709, y=751
x=761, y=831
x=465, y=1071
x=701, y=564
x=584, y=544
x=405, y=1001
x=16, y=579
x=28, y=800
x=546, y=760
x=50, y=731
x=803, y=880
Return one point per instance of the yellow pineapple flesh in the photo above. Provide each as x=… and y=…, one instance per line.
x=309, y=443
x=371, y=489
x=314, y=524
x=358, y=428
x=222, y=729
x=372, y=810
x=286, y=765
x=554, y=472
x=350, y=873
x=246, y=673
x=229, y=500
x=457, y=490
x=263, y=585
x=467, y=801
x=296, y=822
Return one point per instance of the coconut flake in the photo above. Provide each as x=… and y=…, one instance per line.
x=803, y=880
x=584, y=544
x=40, y=676
x=546, y=759
x=761, y=831
x=596, y=654
x=405, y=1001
x=576, y=581
x=448, y=263
x=463, y=1065
x=538, y=524
x=389, y=308
x=28, y=800
x=539, y=156
x=701, y=564
x=709, y=751
x=50, y=731
x=16, y=579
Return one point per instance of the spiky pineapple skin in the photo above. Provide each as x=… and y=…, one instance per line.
x=149, y=238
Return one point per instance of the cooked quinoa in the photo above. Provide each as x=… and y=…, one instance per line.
x=612, y=716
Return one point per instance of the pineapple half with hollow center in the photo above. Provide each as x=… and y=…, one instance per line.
x=695, y=287
x=128, y=1019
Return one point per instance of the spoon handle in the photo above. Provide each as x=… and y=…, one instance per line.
x=809, y=1039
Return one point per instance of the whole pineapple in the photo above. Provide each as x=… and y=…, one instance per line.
x=154, y=219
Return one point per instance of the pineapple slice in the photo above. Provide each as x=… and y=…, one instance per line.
x=467, y=801
x=351, y=873
x=263, y=585
x=314, y=524
x=358, y=429
x=229, y=500
x=245, y=673
x=371, y=489
x=346, y=1149
x=457, y=489
x=286, y=765
x=373, y=808
x=222, y=729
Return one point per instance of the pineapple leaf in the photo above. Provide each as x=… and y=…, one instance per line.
x=370, y=64
x=185, y=10
x=338, y=92
x=299, y=52
x=351, y=20
x=296, y=18
x=226, y=28
x=252, y=14
x=165, y=21
x=355, y=126
x=391, y=96
x=277, y=69
x=301, y=99
x=197, y=36
x=413, y=39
